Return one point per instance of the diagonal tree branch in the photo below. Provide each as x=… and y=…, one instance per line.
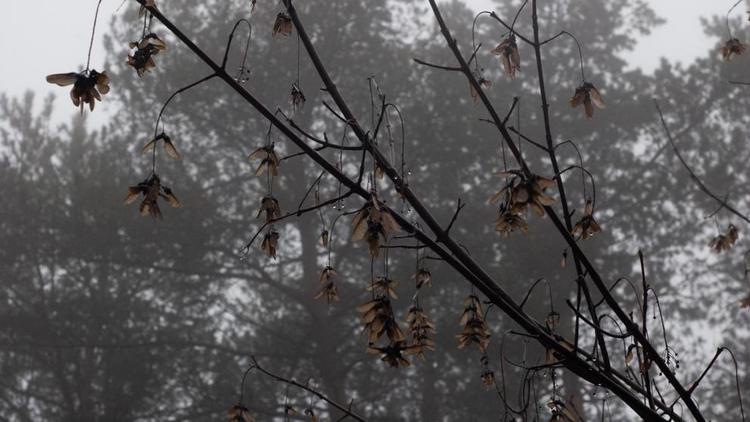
x=448, y=249
x=581, y=280
x=593, y=274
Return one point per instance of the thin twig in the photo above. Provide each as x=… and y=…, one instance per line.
x=694, y=177
x=306, y=387
x=437, y=66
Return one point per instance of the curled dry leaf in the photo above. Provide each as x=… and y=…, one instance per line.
x=88, y=87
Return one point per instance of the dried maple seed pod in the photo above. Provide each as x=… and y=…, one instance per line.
x=329, y=291
x=725, y=241
x=373, y=223
x=422, y=277
x=270, y=243
x=297, y=97
x=588, y=96
x=519, y=194
x=269, y=161
x=392, y=354
x=733, y=47
x=239, y=413
x=142, y=57
x=151, y=189
x=88, y=87
x=282, y=25
x=169, y=147
x=421, y=330
x=475, y=329
x=587, y=225
x=484, y=83
x=270, y=206
x=509, y=55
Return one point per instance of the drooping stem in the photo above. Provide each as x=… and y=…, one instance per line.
x=729, y=12
x=693, y=176
x=582, y=286
x=93, y=32
x=305, y=387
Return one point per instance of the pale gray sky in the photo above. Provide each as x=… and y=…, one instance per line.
x=57, y=39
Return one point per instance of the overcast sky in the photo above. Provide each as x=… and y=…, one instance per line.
x=58, y=38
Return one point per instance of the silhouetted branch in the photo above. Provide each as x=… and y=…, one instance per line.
x=255, y=366
x=633, y=402
x=510, y=111
x=582, y=286
x=593, y=325
x=174, y=94
x=449, y=250
x=437, y=66
x=692, y=174
x=296, y=213
x=510, y=27
x=459, y=207
x=719, y=351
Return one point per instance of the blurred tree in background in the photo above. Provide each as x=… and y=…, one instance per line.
x=111, y=317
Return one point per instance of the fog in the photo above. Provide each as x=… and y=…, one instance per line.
x=144, y=311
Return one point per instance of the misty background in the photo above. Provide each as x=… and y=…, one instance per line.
x=110, y=316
